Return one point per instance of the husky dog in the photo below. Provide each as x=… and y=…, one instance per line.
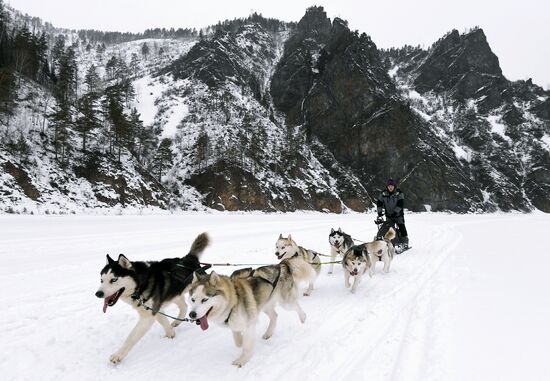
x=355, y=263
x=382, y=250
x=305, y=264
x=156, y=283
x=340, y=242
x=236, y=301
x=285, y=288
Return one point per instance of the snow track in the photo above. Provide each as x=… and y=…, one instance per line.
x=409, y=324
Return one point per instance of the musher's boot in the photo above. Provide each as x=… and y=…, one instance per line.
x=404, y=243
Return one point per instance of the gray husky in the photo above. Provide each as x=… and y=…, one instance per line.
x=340, y=242
x=305, y=263
x=236, y=301
x=362, y=258
x=155, y=283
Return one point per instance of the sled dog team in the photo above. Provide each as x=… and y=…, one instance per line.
x=233, y=301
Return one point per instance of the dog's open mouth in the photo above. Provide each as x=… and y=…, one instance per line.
x=279, y=257
x=354, y=273
x=337, y=245
x=110, y=301
x=203, y=321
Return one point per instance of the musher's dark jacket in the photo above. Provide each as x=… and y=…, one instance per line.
x=392, y=203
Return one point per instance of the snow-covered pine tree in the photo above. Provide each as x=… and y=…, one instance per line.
x=163, y=157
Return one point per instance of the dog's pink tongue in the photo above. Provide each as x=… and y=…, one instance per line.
x=204, y=323
x=105, y=304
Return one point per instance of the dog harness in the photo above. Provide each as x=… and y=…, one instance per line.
x=228, y=316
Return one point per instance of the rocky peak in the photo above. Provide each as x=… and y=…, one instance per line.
x=463, y=63
x=314, y=24
x=478, y=54
x=340, y=36
x=294, y=74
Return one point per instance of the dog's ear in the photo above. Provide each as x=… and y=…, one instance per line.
x=124, y=262
x=281, y=236
x=292, y=243
x=196, y=277
x=339, y=230
x=331, y=231
x=214, y=278
x=110, y=260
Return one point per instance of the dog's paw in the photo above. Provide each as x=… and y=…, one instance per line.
x=353, y=290
x=175, y=323
x=267, y=336
x=239, y=363
x=171, y=334
x=116, y=358
x=347, y=285
x=303, y=318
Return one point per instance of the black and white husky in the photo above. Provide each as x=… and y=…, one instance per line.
x=155, y=283
x=356, y=262
x=340, y=243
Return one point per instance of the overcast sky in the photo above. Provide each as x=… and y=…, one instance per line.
x=518, y=31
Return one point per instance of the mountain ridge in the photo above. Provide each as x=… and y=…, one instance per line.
x=273, y=116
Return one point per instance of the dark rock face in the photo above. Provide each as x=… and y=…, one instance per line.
x=22, y=179
x=537, y=184
x=351, y=89
x=227, y=187
x=294, y=75
x=351, y=191
x=464, y=62
x=291, y=82
x=353, y=107
x=542, y=109
x=123, y=188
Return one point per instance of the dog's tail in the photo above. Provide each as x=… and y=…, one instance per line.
x=199, y=244
x=390, y=235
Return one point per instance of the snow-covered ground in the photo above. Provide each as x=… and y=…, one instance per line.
x=470, y=301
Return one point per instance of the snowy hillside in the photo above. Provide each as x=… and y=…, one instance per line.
x=231, y=144
x=260, y=114
x=458, y=306
x=34, y=180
